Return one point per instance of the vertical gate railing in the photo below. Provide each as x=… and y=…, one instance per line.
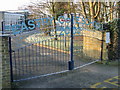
x=49, y=56
x=40, y=58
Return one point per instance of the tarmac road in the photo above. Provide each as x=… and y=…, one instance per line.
x=92, y=76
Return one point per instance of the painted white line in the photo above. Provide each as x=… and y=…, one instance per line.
x=41, y=76
x=86, y=64
x=55, y=72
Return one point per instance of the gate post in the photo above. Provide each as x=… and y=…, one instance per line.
x=102, y=45
x=5, y=74
x=71, y=62
x=2, y=23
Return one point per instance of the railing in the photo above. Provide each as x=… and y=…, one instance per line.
x=42, y=54
x=45, y=57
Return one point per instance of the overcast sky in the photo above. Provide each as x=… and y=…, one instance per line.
x=12, y=4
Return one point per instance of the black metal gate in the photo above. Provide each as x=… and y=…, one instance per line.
x=37, y=52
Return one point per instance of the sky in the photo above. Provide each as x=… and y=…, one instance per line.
x=12, y=4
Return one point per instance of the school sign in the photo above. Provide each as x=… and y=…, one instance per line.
x=62, y=23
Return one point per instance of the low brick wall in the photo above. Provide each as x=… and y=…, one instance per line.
x=92, y=41
x=89, y=45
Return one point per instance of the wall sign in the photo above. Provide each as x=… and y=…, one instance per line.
x=107, y=37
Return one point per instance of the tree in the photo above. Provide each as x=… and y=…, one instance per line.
x=53, y=9
x=98, y=11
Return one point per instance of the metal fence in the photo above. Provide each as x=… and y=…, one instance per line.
x=41, y=58
x=35, y=54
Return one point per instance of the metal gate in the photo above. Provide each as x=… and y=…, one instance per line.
x=51, y=49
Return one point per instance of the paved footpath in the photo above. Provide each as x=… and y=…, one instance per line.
x=92, y=76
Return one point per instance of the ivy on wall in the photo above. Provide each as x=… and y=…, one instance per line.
x=114, y=46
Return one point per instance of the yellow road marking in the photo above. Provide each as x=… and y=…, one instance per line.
x=113, y=83
x=52, y=48
x=84, y=89
x=117, y=77
x=104, y=87
x=108, y=81
x=95, y=85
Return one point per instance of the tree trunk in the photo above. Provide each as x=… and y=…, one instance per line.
x=54, y=23
x=111, y=11
x=83, y=10
x=91, y=10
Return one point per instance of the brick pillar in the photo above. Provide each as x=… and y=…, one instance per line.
x=5, y=78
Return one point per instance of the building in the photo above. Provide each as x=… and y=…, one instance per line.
x=11, y=18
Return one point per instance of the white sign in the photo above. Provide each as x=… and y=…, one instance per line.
x=107, y=37
x=65, y=15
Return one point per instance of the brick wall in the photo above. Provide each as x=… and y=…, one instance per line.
x=4, y=63
x=92, y=44
x=0, y=63
x=1, y=19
